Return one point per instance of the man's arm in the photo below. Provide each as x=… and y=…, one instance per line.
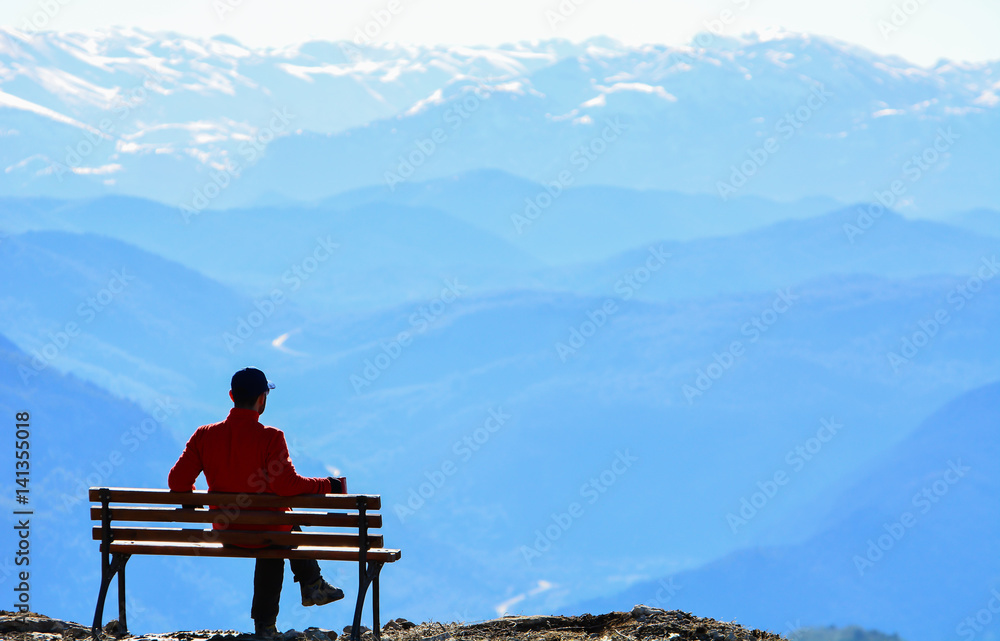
x=187, y=468
x=285, y=481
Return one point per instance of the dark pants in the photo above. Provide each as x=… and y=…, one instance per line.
x=267, y=579
x=268, y=576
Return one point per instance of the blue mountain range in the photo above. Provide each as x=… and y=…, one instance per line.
x=706, y=327
x=613, y=396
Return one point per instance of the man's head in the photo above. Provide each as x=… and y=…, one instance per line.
x=249, y=389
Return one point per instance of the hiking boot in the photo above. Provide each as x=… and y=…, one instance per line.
x=319, y=592
x=266, y=630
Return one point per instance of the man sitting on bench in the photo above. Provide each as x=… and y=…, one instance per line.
x=241, y=455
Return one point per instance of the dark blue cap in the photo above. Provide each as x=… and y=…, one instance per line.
x=250, y=382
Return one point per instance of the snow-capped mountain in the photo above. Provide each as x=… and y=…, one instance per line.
x=203, y=123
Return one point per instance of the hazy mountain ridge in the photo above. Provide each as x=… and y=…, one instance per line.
x=822, y=356
x=583, y=222
x=503, y=357
x=107, y=291
x=982, y=221
x=368, y=256
x=360, y=253
x=880, y=544
x=795, y=251
x=80, y=435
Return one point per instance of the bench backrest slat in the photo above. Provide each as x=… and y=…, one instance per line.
x=236, y=516
x=247, y=500
x=235, y=537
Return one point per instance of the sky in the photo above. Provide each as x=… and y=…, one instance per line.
x=922, y=31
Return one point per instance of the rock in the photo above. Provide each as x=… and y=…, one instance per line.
x=319, y=634
x=201, y=635
x=398, y=624
x=113, y=628
x=347, y=630
x=643, y=612
x=30, y=622
x=291, y=635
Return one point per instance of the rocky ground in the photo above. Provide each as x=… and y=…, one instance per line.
x=641, y=624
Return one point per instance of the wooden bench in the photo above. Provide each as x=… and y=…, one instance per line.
x=126, y=517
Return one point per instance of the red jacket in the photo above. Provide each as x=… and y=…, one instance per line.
x=241, y=455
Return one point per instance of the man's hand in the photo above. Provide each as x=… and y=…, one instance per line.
x=338, y=485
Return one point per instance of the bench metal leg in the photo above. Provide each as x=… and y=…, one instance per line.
x=122, y=625
x=369, y=577
x=108, y=571
x=356, y=624
x=376, y=626
x=95, y=629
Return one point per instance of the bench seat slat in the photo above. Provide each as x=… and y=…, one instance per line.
x=214, y=549
x=245, y=517
x=186, y=535
x=201, y=497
